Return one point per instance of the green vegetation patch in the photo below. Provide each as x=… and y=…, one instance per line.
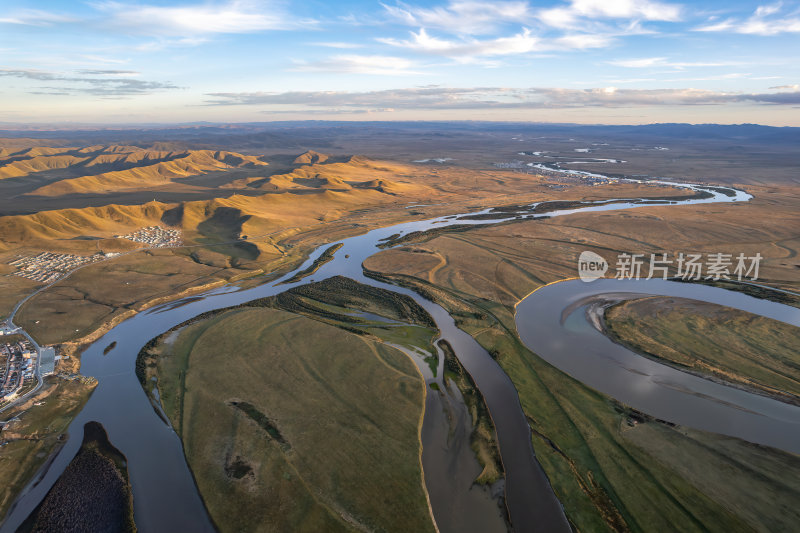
x=342, y=302
x=263, y=421
x=291, y=424
x=484, y=436
x=711, y=340
x=350, y=294
x=323, y=258
x=615, y=470
x=426, y=235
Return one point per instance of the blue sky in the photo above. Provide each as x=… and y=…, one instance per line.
x=588, y=61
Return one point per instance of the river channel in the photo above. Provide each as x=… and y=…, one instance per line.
x=165, y=496
x=553, y=321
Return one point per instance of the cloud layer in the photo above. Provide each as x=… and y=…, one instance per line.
x=445, y=98
x=120, y=82
x=237, y=16
x=281, y=54
x=766, y=20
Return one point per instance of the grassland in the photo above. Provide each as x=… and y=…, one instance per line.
x=484, y=436
x=242, y=218
x=607, y=477
x=254, y=215
x=292, y=424
x=323, y=258
x=610, y=472
x=723, y=343
x=29, y=441
x=80, y=304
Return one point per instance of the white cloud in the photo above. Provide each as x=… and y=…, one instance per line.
x=765, y=11
x=33, y=17
x=471, y=50
x=478, y=18
x=162, y=43
x=641, y=9
x=718, y=77
x=358, y=64
x=234, y=16
x=581, y=41
x=578, y=11
x=463, y=26
x=761, y=22
x=102, y=83
x=103, y=59
x=467, y=49
x=663, y=62
x=462, y=17
x=108, y=72
x=639, y=63
x=794, y=87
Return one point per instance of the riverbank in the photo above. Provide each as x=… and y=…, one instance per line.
x=722, y=344
x=380, y=315
x=35, y=432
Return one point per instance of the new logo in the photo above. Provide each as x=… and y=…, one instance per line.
x=591, y=266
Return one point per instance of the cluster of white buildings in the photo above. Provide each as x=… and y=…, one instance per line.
x=17, y=363
x=49, y=266
x=510, y=164
x=156, y=237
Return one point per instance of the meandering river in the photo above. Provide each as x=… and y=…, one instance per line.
x=552, y=321
x=165, y=496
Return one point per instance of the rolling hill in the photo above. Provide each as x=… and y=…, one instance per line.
x=168, y=168
x=321, y=171
x=321, y=188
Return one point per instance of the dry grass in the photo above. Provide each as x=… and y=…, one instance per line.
x=607, y=475
x=504, y=263
x=331, y=441
x=280, y=226
x=31, y=439
x=735, y=346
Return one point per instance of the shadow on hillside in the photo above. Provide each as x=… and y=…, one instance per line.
x=226, y=225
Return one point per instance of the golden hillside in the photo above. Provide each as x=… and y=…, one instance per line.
x=329, y=190
x=169, y=167
x=15, y=163
x=103, y=221
x=356, y=172
x=311, y=157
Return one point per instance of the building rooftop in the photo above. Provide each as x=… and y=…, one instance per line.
x=47, y=360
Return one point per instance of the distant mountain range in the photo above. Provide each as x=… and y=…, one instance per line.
x=300, y=134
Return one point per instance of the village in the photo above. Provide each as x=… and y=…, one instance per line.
x=48, y=267
x=19, y=358
x=155, y=237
